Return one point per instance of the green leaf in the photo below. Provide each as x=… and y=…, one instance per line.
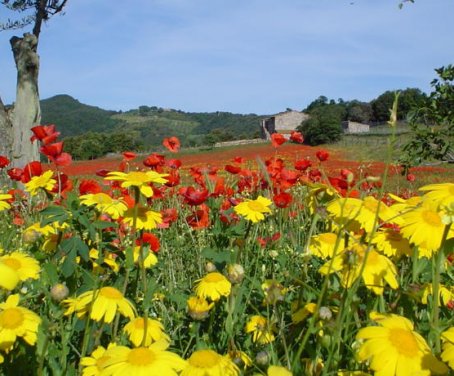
x=54, y=214
x=75, y=244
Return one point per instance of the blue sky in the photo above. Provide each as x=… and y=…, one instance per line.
x=242, y=56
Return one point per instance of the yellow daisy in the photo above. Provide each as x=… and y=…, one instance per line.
x=394, y=348
x=16, y=321
x=278, y=371
x=324, y=245
x=442, y=194
x=274, y=291
x=423, y=226
x=445, y=294
x=135, y=329
x=146, y=219
x=213, y=286
x=448, y=347
x=108, y=259
x=150, y=360
x=300, y=313
x=377, y=270
x=106, y=302
x=9, y=278
x=198, y=308
x=4, y=205
x=140, y=180
x=240, y=358
x=210, y=363
x=25, y=266
x=105, y=204
x=391, y=242
x=253, y=210
x=93, y=365
x=261, y=329
x=44, y=181
x=150, y=257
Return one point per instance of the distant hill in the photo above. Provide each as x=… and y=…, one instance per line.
x=84, y=125
x=74, y=118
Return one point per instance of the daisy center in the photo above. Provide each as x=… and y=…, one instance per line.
x=204, y=359
x=255, y=206
x=12, y=263
x=404, y=342
x=432, y=218
x=111, y=293
x=141, y=356
x=11, y=318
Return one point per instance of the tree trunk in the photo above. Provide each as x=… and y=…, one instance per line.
x=6, y=137
x=26, y=112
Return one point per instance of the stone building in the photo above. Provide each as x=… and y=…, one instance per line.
x=353, y=127
x=283, y=122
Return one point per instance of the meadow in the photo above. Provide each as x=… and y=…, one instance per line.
x=276, y=259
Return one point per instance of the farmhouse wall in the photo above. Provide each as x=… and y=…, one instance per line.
x=354, y=127
x=284, y=123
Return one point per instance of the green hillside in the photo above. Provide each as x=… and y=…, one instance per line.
x=90, y=131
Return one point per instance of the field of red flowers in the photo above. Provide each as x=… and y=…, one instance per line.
x=289, y=152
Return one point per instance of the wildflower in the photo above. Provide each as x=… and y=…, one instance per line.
x=198, y=308
x=322, y=155
x=324, y=245
x=442, y=194
x=194, y=196
x=105, y=204
x=149, y=360
x=235, y=273
x=277, y=139
x=213, y=286
x=135, y=330
x=253, y=210
x=145, y=219
x=138, y=179
x=44, y=181
x=9, y=278
x=210, y=363
x=296, y=137
x=17, y=321
x=445, y=294
x=149, y=258
x=423, y=226
x=200, y=218
x=377, y=270
x=278, y=371
x=4, y=197
x=282, y=200
x=391, y=242
x=25, y=266
x=108, y=258
x=94, y=364
x=448, y=347
x=44, y=133
x=394, y=348
x=106, y=302
x=4, y=161
x=172, y=144
x=240, y=358
x=300, y=313
x=262, y=331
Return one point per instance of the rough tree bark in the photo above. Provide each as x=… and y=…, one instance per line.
x=16, y=122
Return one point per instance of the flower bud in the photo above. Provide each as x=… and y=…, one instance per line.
x=235, y=273
x=325, y=313
x=59, y=292
x=210, y=267
x=262, y=358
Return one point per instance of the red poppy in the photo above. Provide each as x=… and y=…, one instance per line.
x=31, y=169
x=173, y=179
x=194, y=196
x=15, y=173
x=302, y=164
x=296, y=137
x=277, y=139
x=52, y=150
x=174, y=163
x=322, y=155
x=154, y=160
x=150, y=239
x=44, y=133
x=232, y=169
x=411, y=177
x=282, y=200
x=239, y=159
x=200, y=218
x=168, y=216
x=315, y=174
x=87, y=186
x=129, y=156
x=102, y=172
x=64, y=159
x=3, y=161
x=347, y=175
x=64, y=184
x=172, y=144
